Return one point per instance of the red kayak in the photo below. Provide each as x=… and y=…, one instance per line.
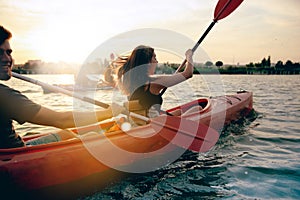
x=92, y=159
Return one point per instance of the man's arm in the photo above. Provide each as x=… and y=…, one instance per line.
x=70, y=119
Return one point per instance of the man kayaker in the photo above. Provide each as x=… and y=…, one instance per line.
x=16, y=106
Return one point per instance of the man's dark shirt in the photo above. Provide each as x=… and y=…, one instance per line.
x=14, y=106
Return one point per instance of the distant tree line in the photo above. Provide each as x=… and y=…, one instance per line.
x=40, y=67
x=99, y=66
x=263, y=67
x=266, y=67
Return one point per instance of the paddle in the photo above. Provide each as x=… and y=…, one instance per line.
x=222, y=10
x=179, y=131
x=60, y=90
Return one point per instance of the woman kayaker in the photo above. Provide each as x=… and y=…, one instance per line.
x=137, y=80
x=16, y=106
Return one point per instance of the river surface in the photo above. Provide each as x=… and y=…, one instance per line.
x=255, y=158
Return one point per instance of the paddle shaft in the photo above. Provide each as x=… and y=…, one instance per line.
x=72, y=94
x=193, y=50
x=60, y=90
x=197, y=44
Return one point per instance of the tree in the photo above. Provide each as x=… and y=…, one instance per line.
x=289, y=64
x=250, y=65
x=208, y=63
x=219, y=63
x=279, y=65
x=264, y=62
x=258, y=65
x=269, y=61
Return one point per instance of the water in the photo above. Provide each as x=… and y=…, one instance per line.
x=255, y=158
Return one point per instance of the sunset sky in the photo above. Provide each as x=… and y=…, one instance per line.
x=69, y=30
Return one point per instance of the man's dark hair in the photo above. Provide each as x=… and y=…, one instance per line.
x=4, y=34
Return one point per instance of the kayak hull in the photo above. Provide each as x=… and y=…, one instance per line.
x=54, y=166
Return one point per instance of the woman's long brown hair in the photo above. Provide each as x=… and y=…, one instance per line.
x=134, y=72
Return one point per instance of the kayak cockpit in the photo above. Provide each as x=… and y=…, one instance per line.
x=198, y=106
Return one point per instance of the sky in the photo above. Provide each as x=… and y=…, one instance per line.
x=69, y=30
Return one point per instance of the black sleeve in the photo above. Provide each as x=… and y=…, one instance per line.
x=16, y=106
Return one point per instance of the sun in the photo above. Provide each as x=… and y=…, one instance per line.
x=64, y=41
